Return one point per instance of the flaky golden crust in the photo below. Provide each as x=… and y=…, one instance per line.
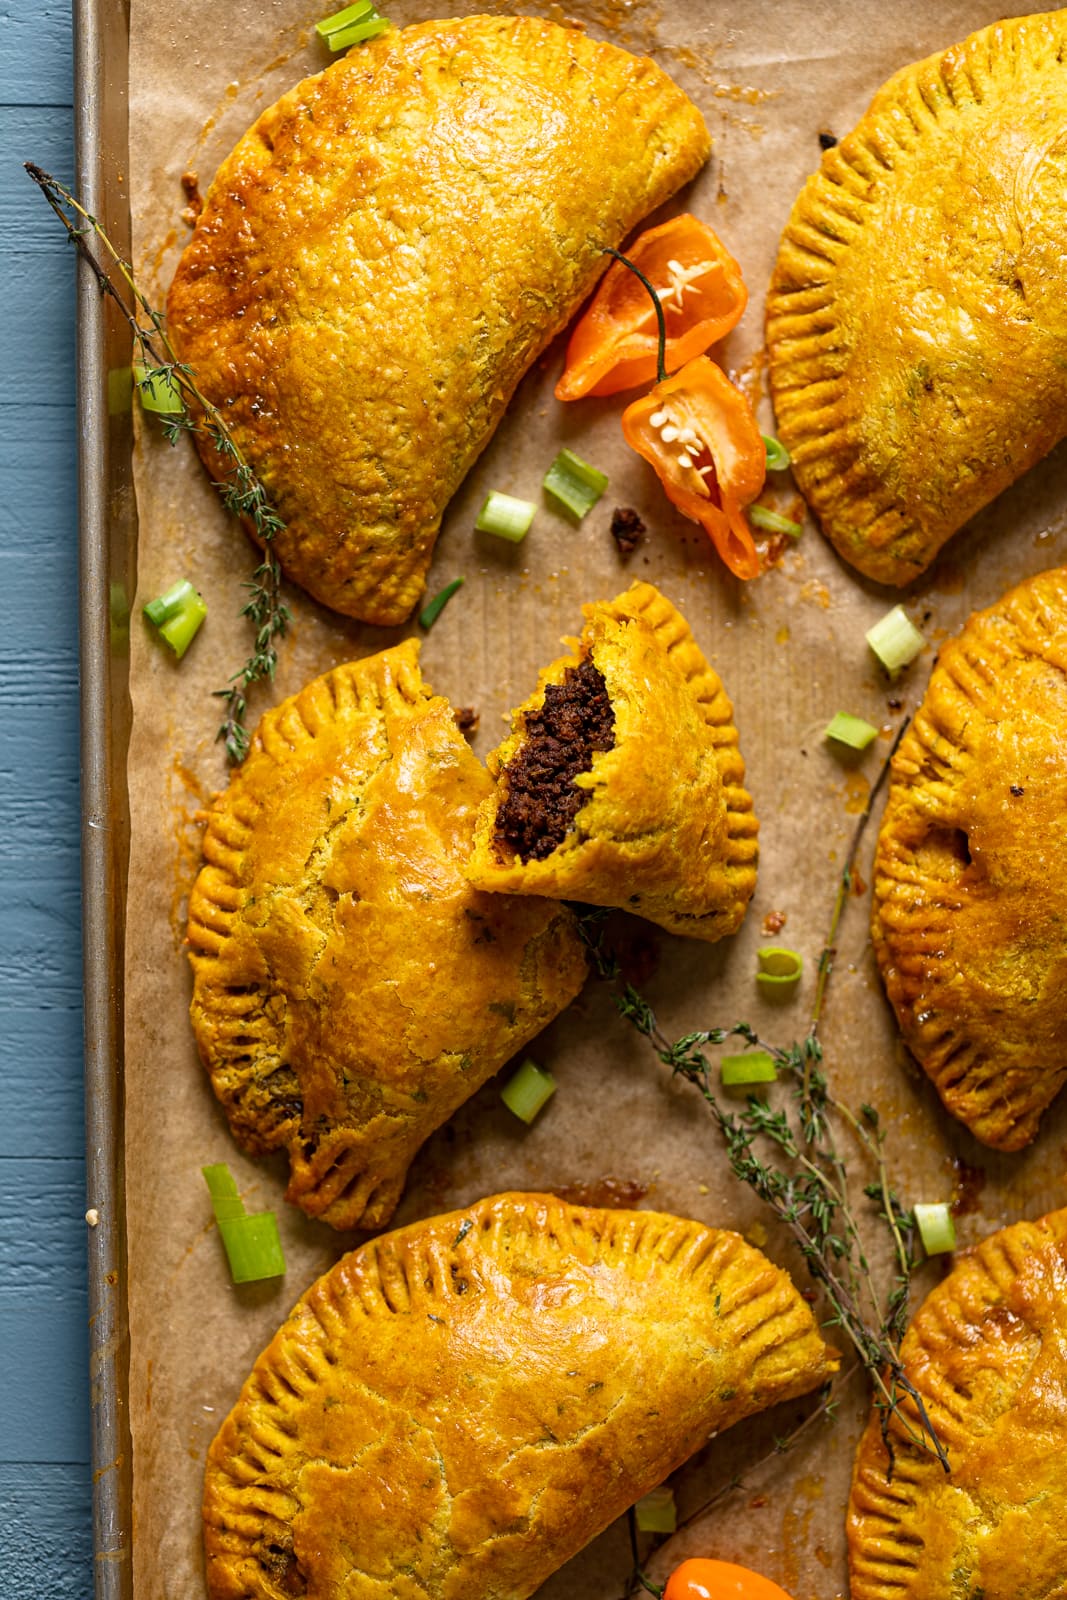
x=350, y=988
x=385, y=253
x=917, y=320
x=667, y=830
x=987, y=1351
x=970, y=877
x=455, y=1409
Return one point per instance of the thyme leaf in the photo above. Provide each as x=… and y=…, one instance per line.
x=239, y=489
x=790, y=1156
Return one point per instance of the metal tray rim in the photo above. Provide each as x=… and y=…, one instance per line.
x=100, y=69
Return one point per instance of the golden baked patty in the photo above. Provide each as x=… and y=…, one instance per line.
x=384, y=254
x=987, y=1351
x=621, y=783
x=917, y=316
x=457, y=1408
x=350, y=988
x=969, y=916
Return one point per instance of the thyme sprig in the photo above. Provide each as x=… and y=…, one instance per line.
x=804, y=1178
x=239, y=488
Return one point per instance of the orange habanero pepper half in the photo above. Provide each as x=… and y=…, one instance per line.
x=698, y=431
x=699, y=285
x=719, y=1580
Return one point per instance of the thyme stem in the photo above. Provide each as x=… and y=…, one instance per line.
x=240, y=489
x=844, y=883
x=808, y=1189
x=637, y=1572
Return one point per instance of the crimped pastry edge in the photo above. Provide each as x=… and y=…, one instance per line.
x=385, y=590
x=884, y=1554
x=335, y=1181
x=409, y=1271
x=912, y=919
x=857, y=511
x=643, y=601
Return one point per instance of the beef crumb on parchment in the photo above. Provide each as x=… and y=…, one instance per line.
x=626, y=529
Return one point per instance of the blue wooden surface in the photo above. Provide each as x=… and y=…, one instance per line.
x=45, y=1543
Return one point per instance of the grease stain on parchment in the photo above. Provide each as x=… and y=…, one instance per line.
x=188, y=799
x=855, y=792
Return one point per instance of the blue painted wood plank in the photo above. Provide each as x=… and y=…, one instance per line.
x=39, y=949
x=46, y=1198
x=41, y=832
x=42, y=1109
x=45, y=1526
x=45, y=1532
x=35, y=53
x=43, y=677
x=38, y=679
x=44, y=135
x=42, y=808
x=38, y=443
x=39, y=590
x=28, y=839
x=43, y=1339
x=39, y=518
x=53, y=569
x=37, y=342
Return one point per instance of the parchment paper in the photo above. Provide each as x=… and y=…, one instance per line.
x=769, y=76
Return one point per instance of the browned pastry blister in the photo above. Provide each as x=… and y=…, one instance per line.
x=455, y=1409
x=917, y=320
x=970, y=879
x=351, y=989
x=632, y=737
x=987, y=1353
x=385, y=253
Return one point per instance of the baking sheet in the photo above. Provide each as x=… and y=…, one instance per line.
x=769, y=77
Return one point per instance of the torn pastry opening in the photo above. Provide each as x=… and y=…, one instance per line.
x=620, y=782
x=541, y=799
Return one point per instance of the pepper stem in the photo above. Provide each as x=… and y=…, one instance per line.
x=661, y=352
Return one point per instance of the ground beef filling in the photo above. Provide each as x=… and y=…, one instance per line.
x=541, y=799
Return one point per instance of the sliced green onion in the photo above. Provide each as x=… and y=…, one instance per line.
x=778, y=457
x=222, y=1186
x=528, y=1091
x=181, y=630
x=430, y=613
x=168, y=604
x=779, y=968
x=505, y=516
x=656, y=1512
x=936, y=1228
x=177, y=614
x=343, y=19
x=895, y=640
x=158, y=392
x=754, y=1066
x=853, y=731
x=253, y=1248
x=359, y=32
x=574, y=483
x=773, y=521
